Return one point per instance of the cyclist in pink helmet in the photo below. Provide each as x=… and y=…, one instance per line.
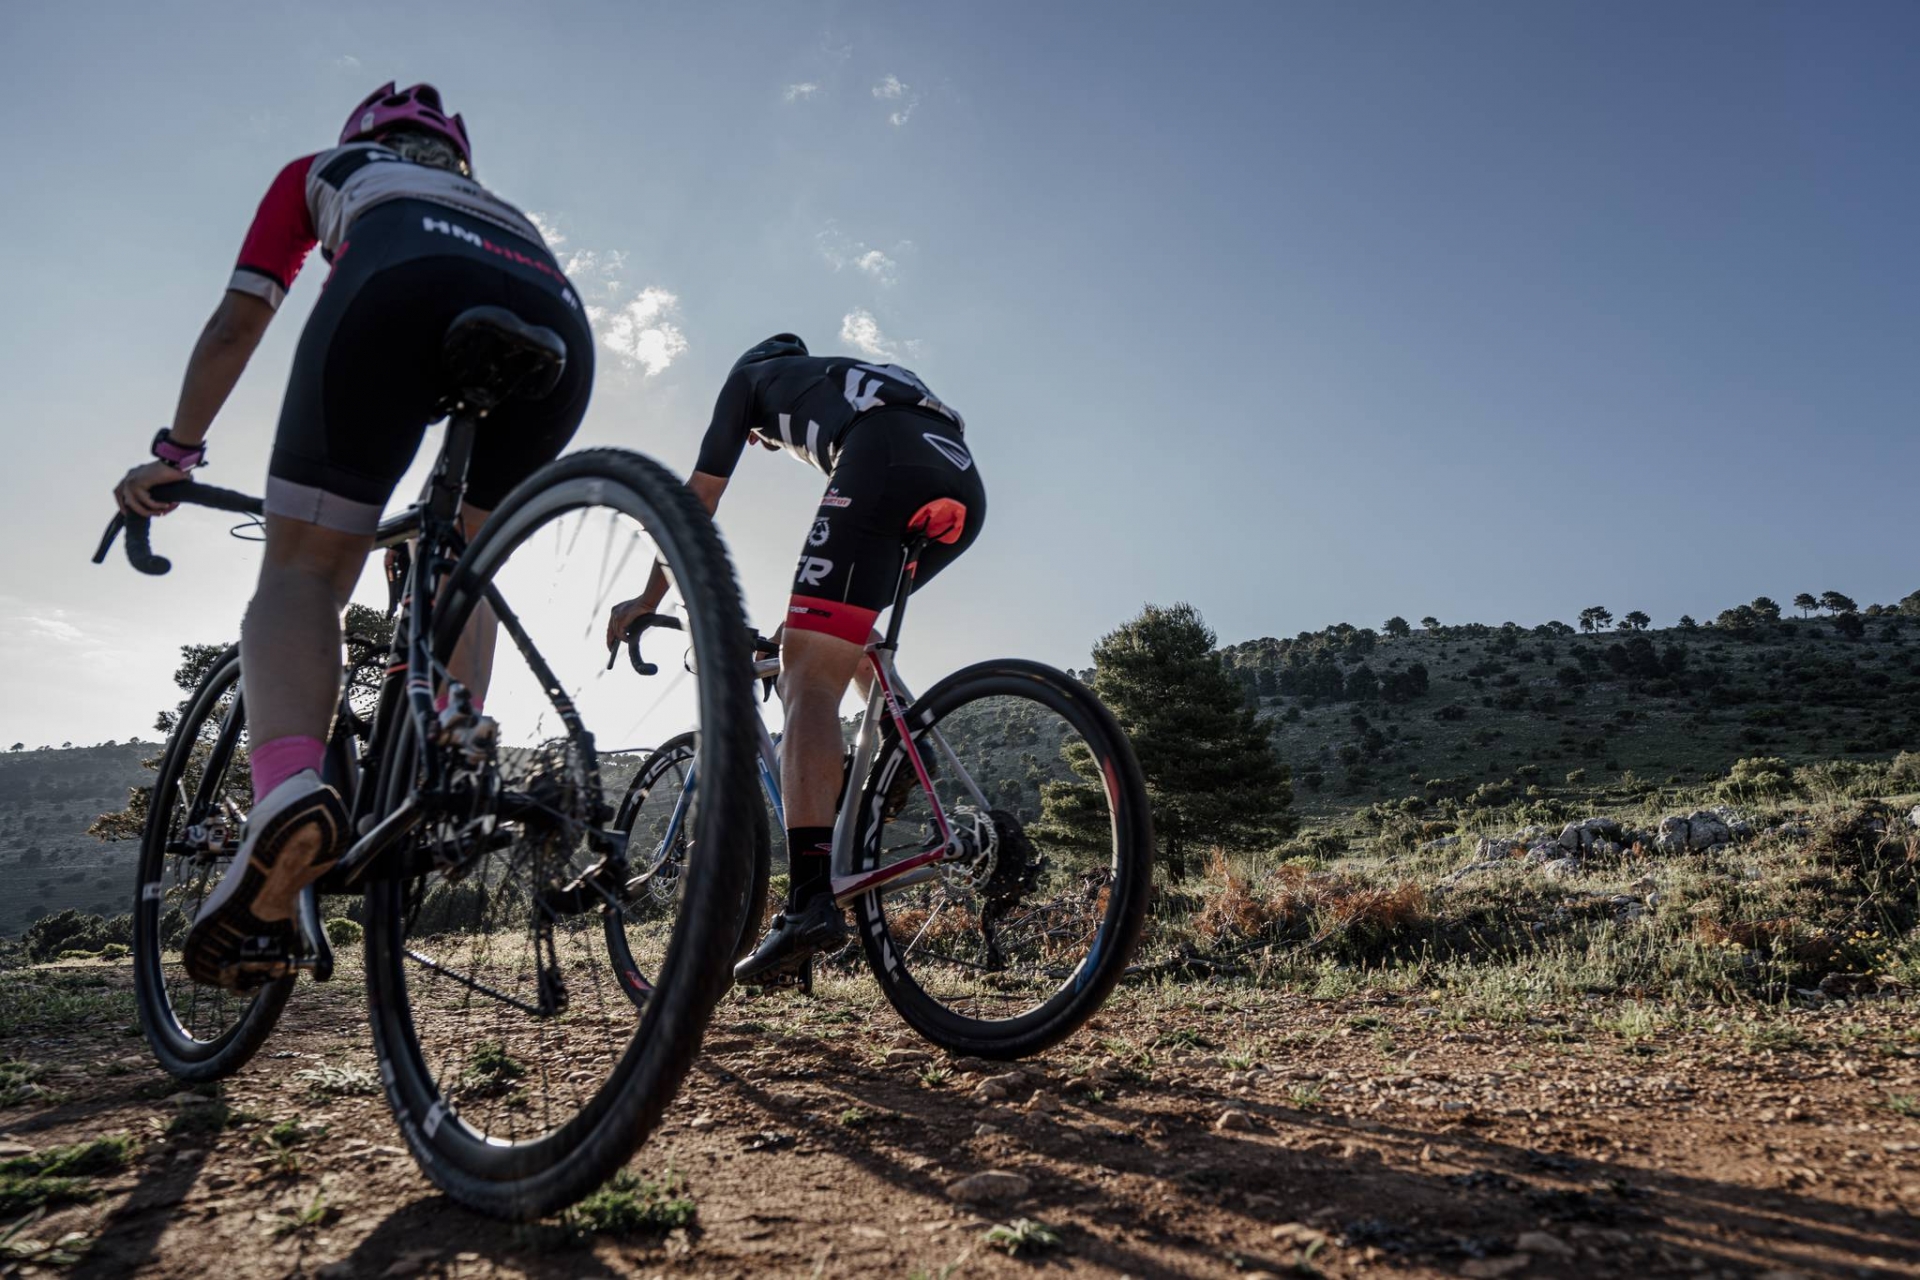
x=415, y=108
x=413, y=240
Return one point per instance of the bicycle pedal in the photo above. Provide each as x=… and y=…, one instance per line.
x=798, y=975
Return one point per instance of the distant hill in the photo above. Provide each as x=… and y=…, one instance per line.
x=1427, y=721
x=1484, y=714
x=47, y=800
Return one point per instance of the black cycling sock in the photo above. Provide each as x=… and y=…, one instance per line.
x=809, y=863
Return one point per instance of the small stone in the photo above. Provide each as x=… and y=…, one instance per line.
x=988, y=1091
x=985, y=1130
x=10, y=1148
x=1006, y=1083
x=992, y=1184
x=1042, y=1101
x=907, y=1057
x=1493, y=1268
x=1298, y=1233
x=1541, y=1242
x=702, y=1122
x=1560, y=869
x=1233, y=1120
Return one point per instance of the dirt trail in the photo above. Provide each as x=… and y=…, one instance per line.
x=1382, y=1137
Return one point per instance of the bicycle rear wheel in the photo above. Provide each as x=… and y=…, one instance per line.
x=659, y=843
x=519, y=1073
x=1007, y=950
x=195, y=811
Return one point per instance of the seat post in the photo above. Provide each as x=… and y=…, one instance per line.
x=450, y=472
x=909, y=565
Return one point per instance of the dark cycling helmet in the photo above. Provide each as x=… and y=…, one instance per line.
x=780, y=344
x=416, y=106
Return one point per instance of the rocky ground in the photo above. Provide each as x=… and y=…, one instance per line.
x=1194, y=1130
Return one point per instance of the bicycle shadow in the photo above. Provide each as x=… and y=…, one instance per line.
x=1108, y=1167
x=927, y=1167
x=129, y=1237
x=429, y=1235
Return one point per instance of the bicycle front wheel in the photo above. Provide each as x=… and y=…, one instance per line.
x=659, y=842
x=1016, y=939
x=520, y=1074
x=195, y=811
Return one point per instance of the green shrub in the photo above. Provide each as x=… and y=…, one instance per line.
x=342, y=932
x=71, y=930
x=1758, y=777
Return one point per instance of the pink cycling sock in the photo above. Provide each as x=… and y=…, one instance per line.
x=278, y=759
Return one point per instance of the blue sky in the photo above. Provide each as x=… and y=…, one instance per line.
x=1305, y=313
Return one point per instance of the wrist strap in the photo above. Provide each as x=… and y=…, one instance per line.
x=178, y=456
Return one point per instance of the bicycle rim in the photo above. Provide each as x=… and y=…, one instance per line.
x=200, y=796
x=519, y=1070
x=1009, y=948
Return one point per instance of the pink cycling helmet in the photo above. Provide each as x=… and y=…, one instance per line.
x=417, y=105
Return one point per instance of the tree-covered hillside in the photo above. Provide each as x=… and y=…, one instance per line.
x=1489, y=715
x=48, y=798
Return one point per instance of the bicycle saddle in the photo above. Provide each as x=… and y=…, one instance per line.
x=491, y=355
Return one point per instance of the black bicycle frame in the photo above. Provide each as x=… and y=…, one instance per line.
x=433, y=527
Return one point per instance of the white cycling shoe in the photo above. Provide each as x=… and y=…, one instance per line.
x=245, y=934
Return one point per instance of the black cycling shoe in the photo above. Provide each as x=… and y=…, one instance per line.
x=797, y=933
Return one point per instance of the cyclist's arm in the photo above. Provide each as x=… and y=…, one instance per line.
x=218, y=360
x=707, y=488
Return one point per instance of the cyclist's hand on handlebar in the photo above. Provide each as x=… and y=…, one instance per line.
x=134, y=492
x=624, y=615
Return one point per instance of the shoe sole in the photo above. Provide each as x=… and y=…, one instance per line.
x=296, y=849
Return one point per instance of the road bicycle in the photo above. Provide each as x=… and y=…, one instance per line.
x=484, y=856
x=997, y=852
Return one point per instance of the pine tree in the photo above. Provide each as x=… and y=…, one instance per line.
x=1212, y=775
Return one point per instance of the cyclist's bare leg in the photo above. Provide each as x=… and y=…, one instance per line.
x=472, y=660
x=290, y=664
x=290, y=641
x=815, y=670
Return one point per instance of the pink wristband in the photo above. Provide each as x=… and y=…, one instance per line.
x=178, y=456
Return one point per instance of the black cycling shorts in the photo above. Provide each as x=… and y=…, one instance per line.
x=366, y=379
x=900, y=471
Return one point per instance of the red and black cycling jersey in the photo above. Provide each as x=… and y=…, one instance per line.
x=316, y=199
x=806, y=404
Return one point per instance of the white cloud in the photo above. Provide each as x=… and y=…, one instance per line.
x=643, y=330
x=876, y=264
x=346, y=62
x=54, y=628
x=797, y=92
x=549, y=231
x=840, y=250
x=893, y=89
x=861, y=331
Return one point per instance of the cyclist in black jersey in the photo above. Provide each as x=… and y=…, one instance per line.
x=414, y=241
x=897, y=466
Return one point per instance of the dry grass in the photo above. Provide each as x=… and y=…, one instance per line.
x=1282, y=901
